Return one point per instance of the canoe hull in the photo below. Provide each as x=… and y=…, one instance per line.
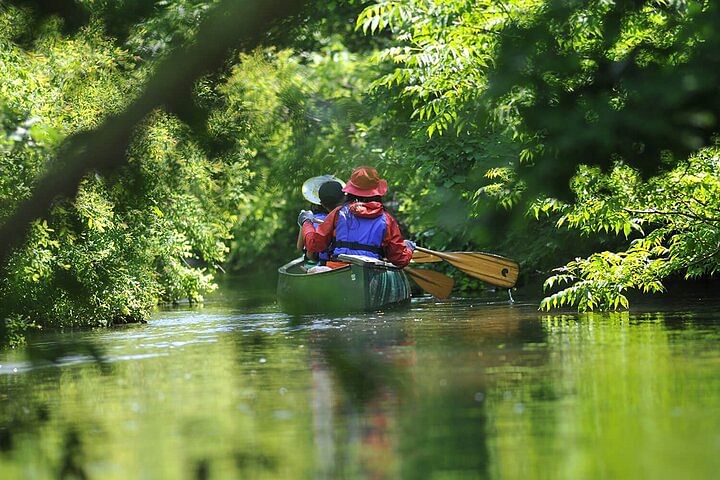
x=355, y=288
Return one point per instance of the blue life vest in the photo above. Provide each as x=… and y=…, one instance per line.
x=357, y=235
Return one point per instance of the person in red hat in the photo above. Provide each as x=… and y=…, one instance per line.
x=361, y=226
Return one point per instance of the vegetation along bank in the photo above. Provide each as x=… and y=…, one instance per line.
x=554, y=134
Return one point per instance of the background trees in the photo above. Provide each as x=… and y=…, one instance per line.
x=608, y=111
x=549, y=131
x=153, y=209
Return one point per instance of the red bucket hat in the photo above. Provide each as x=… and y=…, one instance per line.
x=365, y=182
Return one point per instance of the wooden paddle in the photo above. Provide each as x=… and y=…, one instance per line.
x=435, y=283
x=489, y=268
x=422, y=257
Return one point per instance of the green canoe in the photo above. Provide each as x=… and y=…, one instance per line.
x=365, y=285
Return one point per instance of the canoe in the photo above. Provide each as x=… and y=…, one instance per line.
x=365, y=285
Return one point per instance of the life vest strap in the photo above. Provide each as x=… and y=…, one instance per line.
x=358, y=246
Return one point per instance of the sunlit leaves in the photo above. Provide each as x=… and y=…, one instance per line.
x=376, y=17
x=154, y=231
x=173, y=22
x=601, y=280
x=504, y=188
x=673, y=217
x=448, y=47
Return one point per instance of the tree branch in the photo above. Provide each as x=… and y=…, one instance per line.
x=231, y=24
x=652, y=211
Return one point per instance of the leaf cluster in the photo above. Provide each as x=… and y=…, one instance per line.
x=669, y=220
x=153, y=232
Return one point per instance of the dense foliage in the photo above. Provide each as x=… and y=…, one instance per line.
x=605, y=93
x=157, y=230
x=548, y=131
x=149, y=233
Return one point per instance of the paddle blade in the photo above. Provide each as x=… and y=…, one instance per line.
x=492, y=269
x=435, y=283
x=424, y=257
x=489, y=268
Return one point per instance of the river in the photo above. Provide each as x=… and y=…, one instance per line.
x=445, y=390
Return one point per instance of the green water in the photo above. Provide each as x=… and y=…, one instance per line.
x=439, y=391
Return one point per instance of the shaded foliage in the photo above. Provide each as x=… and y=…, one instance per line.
x=670, y=221
x=541, y=130
x=130, y=237
x=606, y=80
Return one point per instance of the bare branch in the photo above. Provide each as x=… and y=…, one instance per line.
x=652, y=211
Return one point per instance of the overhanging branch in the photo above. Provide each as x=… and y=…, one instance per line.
x=232, y=23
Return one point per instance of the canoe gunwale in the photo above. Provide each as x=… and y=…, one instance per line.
x=298, y=261
x=360, y=286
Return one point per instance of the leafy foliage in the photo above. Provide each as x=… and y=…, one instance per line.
x=294, y=115
x=545, y=130
x=605, y=93
x=671, y=220
x=446, y=52
x=608, y=80
x=153, y=232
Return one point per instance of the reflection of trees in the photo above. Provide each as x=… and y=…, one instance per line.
x=615, y=399
x=447, y=422
x=356, y=385
x=403, y=401
x=199, y=410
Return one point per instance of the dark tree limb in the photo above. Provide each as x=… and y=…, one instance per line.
x=692, y=216
x=231, y=24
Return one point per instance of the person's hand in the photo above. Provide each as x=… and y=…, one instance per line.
x=305, y=216
x=410, y=244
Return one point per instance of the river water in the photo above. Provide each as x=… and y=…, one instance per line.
x=443, y=390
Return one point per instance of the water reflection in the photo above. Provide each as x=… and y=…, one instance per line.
x=444, y=390
x=357, y=383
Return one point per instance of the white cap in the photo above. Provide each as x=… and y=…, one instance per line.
x=312, y=185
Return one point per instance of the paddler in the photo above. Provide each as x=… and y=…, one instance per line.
x=325, y=194
x=360, y=226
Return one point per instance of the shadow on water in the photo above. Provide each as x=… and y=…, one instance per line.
x=202, y=470
x=61, y=351
x=364, y=365
x=359, y=381
x=25, y=415
x=245, y=292
x=410, y=388
x=73, y=457
x=446, y=424
x=20, y=419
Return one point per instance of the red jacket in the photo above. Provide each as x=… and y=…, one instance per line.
x=393, y=244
